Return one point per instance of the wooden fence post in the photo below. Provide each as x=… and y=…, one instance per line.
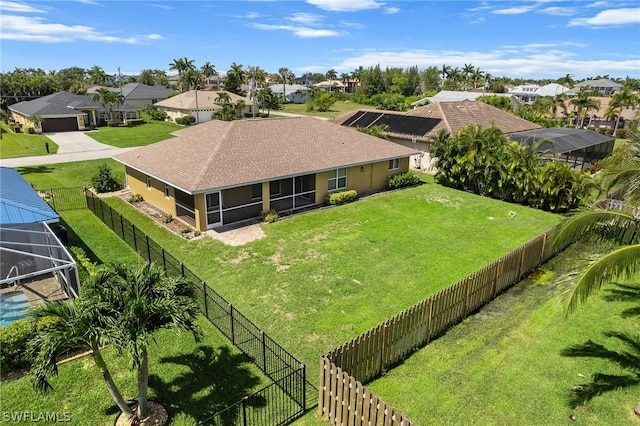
x=383, y=342
x=523, y=250
x=544, y=246
x=467, y=287
x=430, y=317
x=496, y=280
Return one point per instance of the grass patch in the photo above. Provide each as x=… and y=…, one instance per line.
x=193, y=380
x=144, y=134
x=504, y=364
x=311, y=282
x=64, y=175
x=338, y=108
x=23, y=144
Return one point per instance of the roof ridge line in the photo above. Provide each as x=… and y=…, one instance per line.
x=444, y=117
x=209, y=160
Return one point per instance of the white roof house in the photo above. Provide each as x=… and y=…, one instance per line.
x=528, y=93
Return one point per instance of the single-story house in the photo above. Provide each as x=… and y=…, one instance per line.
x=222, y=172
x=416, y=127
x=200, y=104
x=455, y=96
x=331, y=86
x=138, y=94
x=30, y=246
x=294, y=93
x=578, y=147
x=66, y=111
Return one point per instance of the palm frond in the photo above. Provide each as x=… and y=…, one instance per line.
x=589, y=222
x=623, y=262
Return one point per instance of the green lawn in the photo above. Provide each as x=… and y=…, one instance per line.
x=23, y=145
x=321, y=278
x=64, y=175
x=144, y=134
x=338, y=108
x=504, y=365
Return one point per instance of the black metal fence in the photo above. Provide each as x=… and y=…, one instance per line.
x=287, y=373
x=61, y=199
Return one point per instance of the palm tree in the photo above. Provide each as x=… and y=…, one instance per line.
x=208, y=69
x=240, y=105
x=36, y=120
x=96, y=75
x=623, y=99
x=223, y=98
x=445, y=70
x=106, y=97
x=331, y=75
x=146, y=301
x=80, y=323
x=467, y=72
x=620, y=171
x=583, y=103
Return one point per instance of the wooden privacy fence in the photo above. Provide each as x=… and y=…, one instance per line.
x=345, y=400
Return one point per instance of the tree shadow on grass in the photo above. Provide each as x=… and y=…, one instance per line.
x=34, y=169
x=215, y=379
x=628, y=360
x=625, y=293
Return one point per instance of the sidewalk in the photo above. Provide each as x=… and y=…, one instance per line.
x=62, y=158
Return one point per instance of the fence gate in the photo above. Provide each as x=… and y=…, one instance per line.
x=61, y=199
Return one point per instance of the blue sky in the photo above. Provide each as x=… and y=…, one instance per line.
x=529, y=39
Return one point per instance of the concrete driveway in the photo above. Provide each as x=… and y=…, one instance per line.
x=69, y=142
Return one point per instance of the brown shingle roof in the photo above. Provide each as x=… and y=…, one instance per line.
x=206, y=99
x=221, y=154
x=456, y=115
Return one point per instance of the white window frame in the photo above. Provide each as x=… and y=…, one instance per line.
x=335, y=176
x=394, y=164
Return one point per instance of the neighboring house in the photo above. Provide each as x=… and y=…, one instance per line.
x=138, y=94
x=529, y=93
x=597, y=118
x=200, y=104
x=331, y=86
x=66, y=111
x=30, y=247
x=455, y=96
x=579, y=147
x=604, y=86
x=306, y=80
x=220, y=172
x=416, y=127
x=294, y=93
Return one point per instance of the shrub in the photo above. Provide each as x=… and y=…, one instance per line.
x=104, y=181
x=31, y=130
x=402, y=180
x=167, y=218
x=341, y=197
x=13, y=343
x=197, y=233
x=135, y=122
x=86, y=267
x=621, y=134
x=269, y=216
x=185, y=120
x=136, y=198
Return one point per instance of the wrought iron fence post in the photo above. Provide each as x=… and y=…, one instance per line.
x=53, y=199
x=233, y=337
x=148, y=248
x=244, y=410
x=111, y=216
x=135, y=240
x=122, y=227
x=304, y=386
x=204, y=296
x=84, y=192
x=182, y=269
x=164, y=260
x=264, y=352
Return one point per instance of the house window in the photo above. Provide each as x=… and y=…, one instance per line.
x=166, y=190
x=256, y=191
x=148, y=182
x=394, y=164
x=337, y=179
x=274, y=188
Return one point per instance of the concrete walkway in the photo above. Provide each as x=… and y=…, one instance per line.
x=72, y=146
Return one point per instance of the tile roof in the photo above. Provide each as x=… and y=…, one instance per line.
x=19, y=202
x=63, y=103
x=206, y=99
x=220, y=154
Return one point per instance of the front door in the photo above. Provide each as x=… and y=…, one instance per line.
x=214, y=215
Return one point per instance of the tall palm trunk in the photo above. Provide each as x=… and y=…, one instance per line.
x=106, y=375
x=143, y=385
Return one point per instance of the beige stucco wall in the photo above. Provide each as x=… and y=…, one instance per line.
x=201, y=211
x=137, y=183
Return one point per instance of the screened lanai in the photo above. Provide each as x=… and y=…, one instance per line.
x=578, y=147
x=31, y=252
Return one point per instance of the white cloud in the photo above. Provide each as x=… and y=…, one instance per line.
x=483, y=6
x=11, y=6
x=88, y=2
x=39, y=30
x=497, y=62
x=558, y=11
x=302, y=32
x=161, y=6
x=346, y=5
x=391, y=10
x=352, y=24
x=610, y=17
x=517, y=10
x=536, y=46
x=304, y=18
x=249, y=15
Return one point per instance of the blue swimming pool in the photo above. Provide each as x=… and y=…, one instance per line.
x=13, y=306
